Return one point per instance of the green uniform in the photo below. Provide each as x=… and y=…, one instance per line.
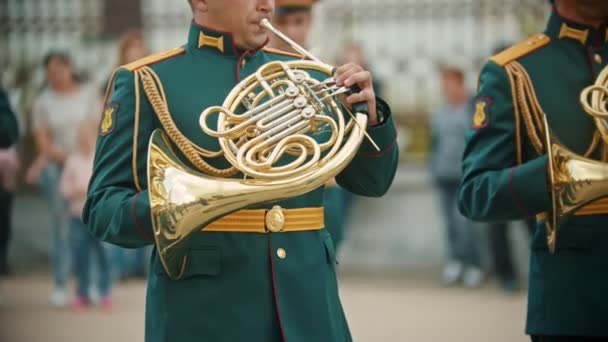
x=505, y=169
x=236, y=286
x=336, y=212
x=8, y=122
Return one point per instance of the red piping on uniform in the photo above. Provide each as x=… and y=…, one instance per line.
x=139, y=228
x=274, y=289
x=590, y=61
x=245, y=54
x=238, y=65
x=515, y=197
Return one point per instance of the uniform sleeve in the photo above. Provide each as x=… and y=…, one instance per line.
x=117, y=209
x=9, y=131
x=371, y=172
x=494, y=187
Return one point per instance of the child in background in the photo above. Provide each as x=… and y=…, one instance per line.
x=73, y=185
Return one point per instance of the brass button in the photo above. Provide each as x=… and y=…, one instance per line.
x=275, y=219
x=597, y=58
x=281, y=253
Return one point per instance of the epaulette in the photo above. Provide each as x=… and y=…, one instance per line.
x=154, y=58
x=281, y=52
x=521, y=49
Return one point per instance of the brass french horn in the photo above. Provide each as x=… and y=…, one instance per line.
x=577, y=181
x=278, y=113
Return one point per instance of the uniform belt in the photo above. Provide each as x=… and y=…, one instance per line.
x=594, y=208
x=598, y=207
x=272, y=220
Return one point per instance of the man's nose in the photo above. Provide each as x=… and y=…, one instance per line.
x=266, y=6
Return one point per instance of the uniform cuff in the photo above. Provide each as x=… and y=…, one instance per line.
x=142, y=216
x=528, y=185
x=383, y=134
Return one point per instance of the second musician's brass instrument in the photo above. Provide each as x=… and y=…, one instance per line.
x=281, y=128
x=577, y=181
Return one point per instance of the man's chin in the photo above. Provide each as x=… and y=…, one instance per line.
x=259, y=40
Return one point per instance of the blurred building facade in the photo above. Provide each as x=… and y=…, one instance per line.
x=404, y=40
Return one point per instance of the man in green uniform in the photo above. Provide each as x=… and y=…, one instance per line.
x=8, y=122
x=294, y=18
x=505, y=165
x=240, y=283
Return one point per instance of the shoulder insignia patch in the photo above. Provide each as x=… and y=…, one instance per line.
x=481, y=118
x=108, y=119
x=281, y=52
x=521, y=49
x=155, y=58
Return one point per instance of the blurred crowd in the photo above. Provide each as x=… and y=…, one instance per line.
x=63, y=125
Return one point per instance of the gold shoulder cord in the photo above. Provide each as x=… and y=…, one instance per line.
x=156, y=95
x=527, y=109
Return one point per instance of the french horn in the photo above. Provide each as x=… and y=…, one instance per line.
x=281, y=128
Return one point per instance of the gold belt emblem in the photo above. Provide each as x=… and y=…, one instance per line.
x=275, y=219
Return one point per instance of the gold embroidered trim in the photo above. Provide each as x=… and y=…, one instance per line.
x=158, y=100
x=569, y=32
x=527, y=108
x=532, y=43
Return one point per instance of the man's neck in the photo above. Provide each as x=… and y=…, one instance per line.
x=573, y=12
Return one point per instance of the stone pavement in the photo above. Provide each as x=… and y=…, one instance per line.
x=379, y=308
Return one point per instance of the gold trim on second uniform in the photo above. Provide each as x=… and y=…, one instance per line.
x=527, y=108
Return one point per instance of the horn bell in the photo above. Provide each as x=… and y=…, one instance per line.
x=575, y=181
x=183, y=201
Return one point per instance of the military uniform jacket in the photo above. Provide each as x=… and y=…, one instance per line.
x=236, y=286
x=505, y=169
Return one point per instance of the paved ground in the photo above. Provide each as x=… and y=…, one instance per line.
x=379, y=308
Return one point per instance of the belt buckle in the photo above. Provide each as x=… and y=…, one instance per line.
x=275, y=219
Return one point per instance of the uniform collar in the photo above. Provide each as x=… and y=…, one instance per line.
x=202, y=37
x=560, y=27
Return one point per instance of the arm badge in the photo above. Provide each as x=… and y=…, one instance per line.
x=108, y=119
x=481, y=118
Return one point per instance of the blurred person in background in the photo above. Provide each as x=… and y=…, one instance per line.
x=9, y=164
x=240, y=282
x=130, y=262
x=448, y=125
x=502, y=256
x=294, y=18
x=56, y=114
x=73, y=186
x=506, y=166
